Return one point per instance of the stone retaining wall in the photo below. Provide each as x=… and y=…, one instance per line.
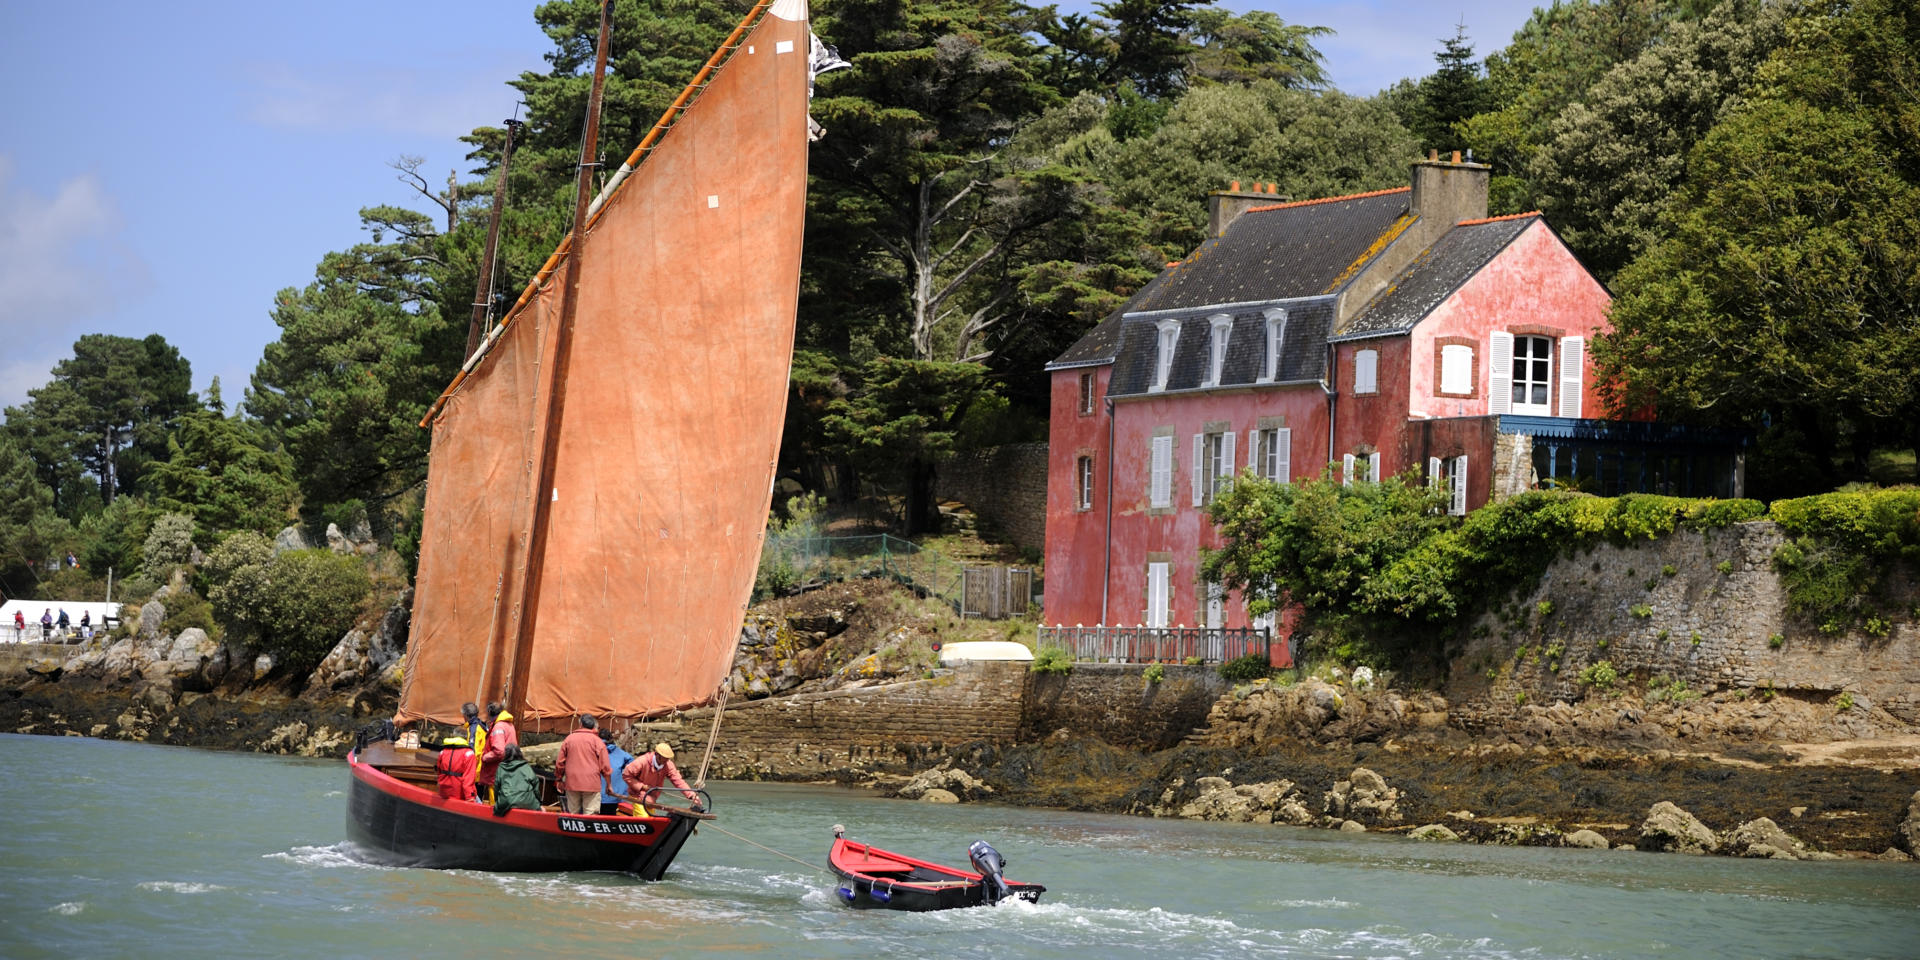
x=890, y=723
x=1711, y=622
x=1115, y=703
x=1006, y=486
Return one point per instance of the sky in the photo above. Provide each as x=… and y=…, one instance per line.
x=167, y=167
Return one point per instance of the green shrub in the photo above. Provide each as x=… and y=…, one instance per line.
x=1194, y=661
x=1246, y=669
x=1844, y=701
x=1154, y=673
x=1776, y=641
x=169, y=545
x=1641, y=610
x=1876, y=627
x=187, y=609
x=1663, y=635
x=1544, y=608
x=1696, y=638
x=1844, y=543
x=1052, y=660
x=1668, y=570
x=1724, y=566
x=1600, y=675
x=296, y=604
x=1520, y=698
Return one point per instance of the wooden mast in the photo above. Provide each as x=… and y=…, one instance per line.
x=483, y=288
x=543, y=491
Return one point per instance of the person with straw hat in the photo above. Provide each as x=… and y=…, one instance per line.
x=649, y=770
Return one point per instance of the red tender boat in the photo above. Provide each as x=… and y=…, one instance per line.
x=874, y=878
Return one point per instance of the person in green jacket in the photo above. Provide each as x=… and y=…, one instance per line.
x=515, y=785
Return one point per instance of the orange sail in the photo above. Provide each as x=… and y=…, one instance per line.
x=674, y=398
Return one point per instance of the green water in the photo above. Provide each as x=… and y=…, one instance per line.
x=117, y=849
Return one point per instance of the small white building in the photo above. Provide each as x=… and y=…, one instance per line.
x=98, y=615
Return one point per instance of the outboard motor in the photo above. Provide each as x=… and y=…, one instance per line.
x=988, y=862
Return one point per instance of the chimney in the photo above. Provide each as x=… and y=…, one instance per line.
x=1446, y=192
x=1226, y=206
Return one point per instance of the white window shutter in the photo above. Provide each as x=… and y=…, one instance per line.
x=1366, y=371
x=1283, y=450
x=1227, y=441
x=1253, y=451
x=1433, y=473
x=1156, y=594
x=1573, y=358
x=1199, y=467
x=1160, y=485
x=1373, y=467
x=1459, y=481
x=1346, y=470
x=1500, y=368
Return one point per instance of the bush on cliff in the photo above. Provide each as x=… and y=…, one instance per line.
x=169, y=544
x=297, y=604
x=1844, y=544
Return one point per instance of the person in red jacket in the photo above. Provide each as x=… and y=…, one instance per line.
x=456, y=766
x=500, y=735
x=645, y=774
x=581, y=767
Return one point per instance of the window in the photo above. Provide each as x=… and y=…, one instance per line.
x=1086, y=393
x=1361, y=466
x=1366, y=370
x=1222, y=329
x=1272, y=451
x=1212, y=465
x=1163, y=361
x=1083, y=483
x=1157, y=594
x=1373, y=468
x=1216, y=606
x=1458, y=479
x=1160, y=475
x=1262, y=621
x=1456, y=369
x=1449, y=476
x=1276, y=334
x=1532, y=375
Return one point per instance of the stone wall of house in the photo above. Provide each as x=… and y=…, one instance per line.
x=1006, y=487
x=851, y=728
x=1115, y=703
x=1706, y=608
x=1512, y=464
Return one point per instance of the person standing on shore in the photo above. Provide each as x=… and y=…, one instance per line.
x=500, y=736
x=581, y=767
x=46, y=623
x=617, y=760
x=19, y=626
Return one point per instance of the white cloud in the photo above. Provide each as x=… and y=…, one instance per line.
x=63, y=263
x=345, y=96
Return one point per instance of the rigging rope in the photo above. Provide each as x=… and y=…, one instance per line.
x=713, y=734
x=763, y=846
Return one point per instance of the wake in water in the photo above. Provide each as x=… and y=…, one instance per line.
x=179, y=886
x=332, y=856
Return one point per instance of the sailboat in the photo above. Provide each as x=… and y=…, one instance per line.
x=601, y=468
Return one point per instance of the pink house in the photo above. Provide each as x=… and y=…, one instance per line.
x=1367, y=335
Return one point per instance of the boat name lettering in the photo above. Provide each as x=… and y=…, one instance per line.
x=572, y=825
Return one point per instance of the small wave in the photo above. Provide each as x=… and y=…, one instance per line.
x=178, y=886
x=334, y=793
x=342, y=854
x=69, y=908
x=1328, y=904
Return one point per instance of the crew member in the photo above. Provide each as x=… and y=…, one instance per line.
x=581, y=767
x=518, y=786
x=474, y=727
x=500, y=736
x=617, y=760
x=645, y=774
x=455, y=766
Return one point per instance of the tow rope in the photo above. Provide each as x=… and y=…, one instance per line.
x=709, y=825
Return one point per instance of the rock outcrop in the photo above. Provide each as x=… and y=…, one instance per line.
x=1673, y=830
x=1432, y=831
x=1764, y=838
x=1316, y=711
x=361, y=656
x=955, y=783
x=1363, y=796
x=1274, y=801
x=1910, y=827
x=1585, y=838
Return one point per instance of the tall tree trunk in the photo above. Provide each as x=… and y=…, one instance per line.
x=922, y=513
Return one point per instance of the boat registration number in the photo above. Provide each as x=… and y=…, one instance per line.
x=573, y=825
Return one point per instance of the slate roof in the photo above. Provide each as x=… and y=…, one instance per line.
x=1284, y=251
x=1281, y=251
x=1435, y=274
x=1303, y=352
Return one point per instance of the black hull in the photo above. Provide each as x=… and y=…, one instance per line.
x=393, y=829
x=860, y=893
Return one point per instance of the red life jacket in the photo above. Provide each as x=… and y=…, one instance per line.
x=456, y=766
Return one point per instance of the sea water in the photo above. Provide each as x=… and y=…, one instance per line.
x=119, y=849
